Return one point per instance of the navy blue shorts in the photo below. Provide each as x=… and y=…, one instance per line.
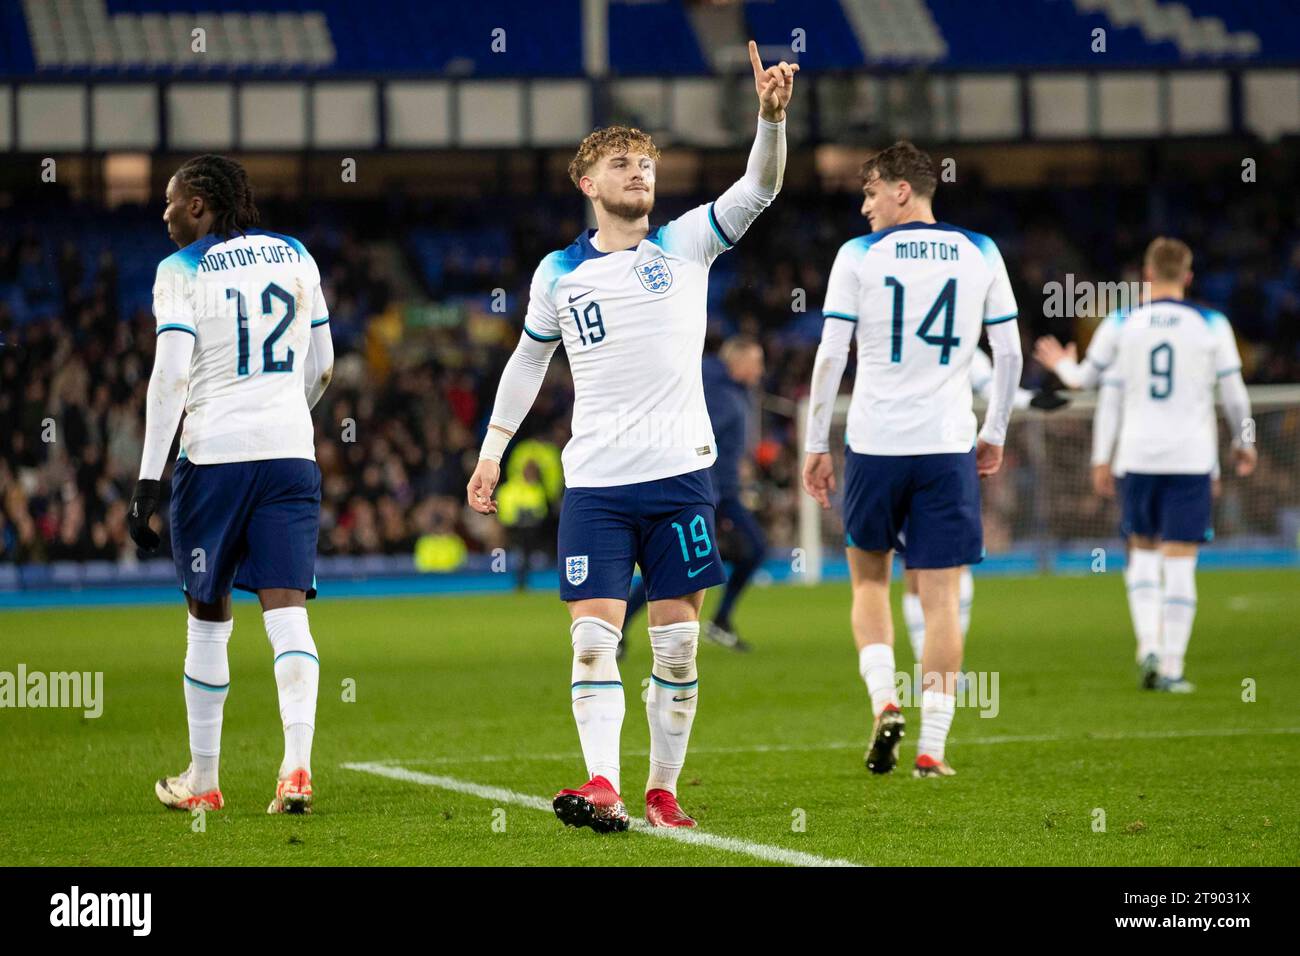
x=255, y=521
x=1168, y=507
x=664, y=526
x=925, y=506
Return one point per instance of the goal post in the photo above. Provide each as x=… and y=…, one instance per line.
x=1040, y=508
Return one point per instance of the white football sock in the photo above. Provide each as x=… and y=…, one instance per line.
x=597, y=694
x=967, y=592
x=876, y=665
x=670, y=701
x=937, y=709
x=297, y=676
x=1142, y=577
x=1179, y=613
x=914, y=618
x=207, y=681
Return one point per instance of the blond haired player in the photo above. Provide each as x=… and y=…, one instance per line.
x=1163, y=359
x=628, y=302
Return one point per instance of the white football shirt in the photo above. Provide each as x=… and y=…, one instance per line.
x=1166, y=357
x=919, y=294
x=632, y=323
x=250, y=301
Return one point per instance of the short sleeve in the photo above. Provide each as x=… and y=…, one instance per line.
x=1000, y=300
x=1226, y=357
x=541, y=321
x=173, y=305
x=696, y=235
x=843, y=286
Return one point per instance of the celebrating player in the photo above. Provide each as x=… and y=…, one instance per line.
x=1163, y=360
x=628, y=303
x=244, y=350
x=915, y=293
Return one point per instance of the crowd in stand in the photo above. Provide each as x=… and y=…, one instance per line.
x=398, y=430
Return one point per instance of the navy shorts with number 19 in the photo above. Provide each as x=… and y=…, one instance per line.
x=666, y=526
x=256, y=521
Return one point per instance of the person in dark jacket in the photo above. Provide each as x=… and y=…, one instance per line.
x=728, y=378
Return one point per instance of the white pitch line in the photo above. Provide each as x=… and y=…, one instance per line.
x=759, y=851
x=857, y=744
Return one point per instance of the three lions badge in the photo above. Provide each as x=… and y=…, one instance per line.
x=575, y=569
x=655, y=275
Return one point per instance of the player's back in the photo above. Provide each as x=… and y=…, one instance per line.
x=919, y=293
x=250, y=301
x=1170, y=354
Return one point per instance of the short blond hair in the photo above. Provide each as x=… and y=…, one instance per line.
x=610, y=141
x=1168, y=260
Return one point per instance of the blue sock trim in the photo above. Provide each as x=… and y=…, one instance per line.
x=1143, y=584
x=297, y=654
x=1185, y=602
x=597, y=684
x=685, y=685
x=216, y=688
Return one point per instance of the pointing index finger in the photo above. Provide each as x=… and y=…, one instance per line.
x=754, y=61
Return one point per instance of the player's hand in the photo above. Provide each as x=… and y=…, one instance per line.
x=773, y=85
x=1051, y=352
x=1103, y=482
x=819, y=477
x=481, y=486
x=1216, y=488
x=144, y=502
x=988, y=458
x=1245, y=458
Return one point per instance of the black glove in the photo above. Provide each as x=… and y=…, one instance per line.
x=1048, y=400
x=143, y=504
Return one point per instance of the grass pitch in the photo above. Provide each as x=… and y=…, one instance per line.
x=472, y=694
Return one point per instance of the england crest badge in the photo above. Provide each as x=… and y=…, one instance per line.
x=575, y=569
x=655, y=275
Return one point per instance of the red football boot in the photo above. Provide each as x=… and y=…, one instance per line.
x=595, y=804
x=662, y=810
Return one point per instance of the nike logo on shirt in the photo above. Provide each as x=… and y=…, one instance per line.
x=575, y=298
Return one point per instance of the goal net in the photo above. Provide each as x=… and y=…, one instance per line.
x=1040, y=512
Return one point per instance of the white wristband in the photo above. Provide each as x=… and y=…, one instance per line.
x=494, y=445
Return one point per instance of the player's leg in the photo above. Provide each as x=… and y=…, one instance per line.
x=207, y=519
x=940, y=590
x=296, y=663
x=751, y=549
x=966, y=597
x=1186, y=509
x=913, y=617
x=680, y=559
x=672, y=698
x=944, y=534
x=876, y=493
x=1143, y=570
x=280, y=567
x=597, y=551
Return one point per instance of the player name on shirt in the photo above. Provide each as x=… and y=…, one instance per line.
x=920, y=249
x=264, y=254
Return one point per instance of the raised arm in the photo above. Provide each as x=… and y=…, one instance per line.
x=741, y=204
